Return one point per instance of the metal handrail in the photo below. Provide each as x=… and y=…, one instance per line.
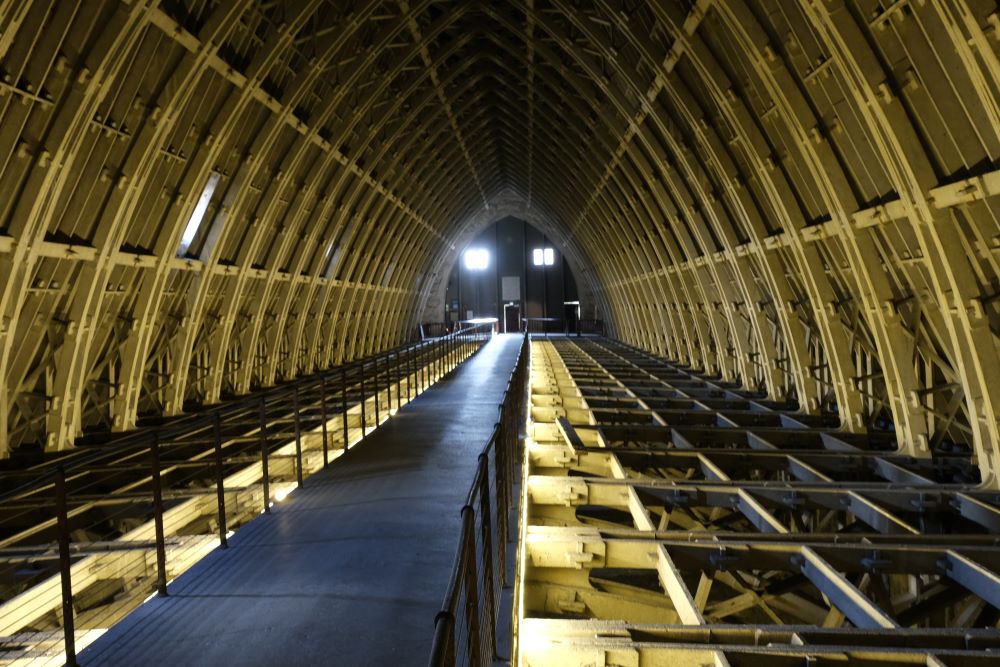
x=465, y=607
x=50, y=480
x=188, y=423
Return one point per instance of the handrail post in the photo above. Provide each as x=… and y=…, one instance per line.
x=161, y=550
x=65, y=567
x=388, y=381
x=364, y=421
x=323, y=416
x=343, y=404
x=500, y=463
x=486, y=530
x=399, y=383
x=298, y=435
x=410, y=374
x=377, y=389
x=264, y=475
x=220, y=484
x=471, y=584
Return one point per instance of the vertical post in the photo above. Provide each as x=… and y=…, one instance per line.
x=161, y=548
x=264, y=475
x=220, y=484
x=388, y=381
x=298, y=435
x=364, y=421
x=377, y=389
x=65, y=567
x=423, y=367
x=322, y=415
x=471, y=584
x=411, y=383
x=343, y=404
x=500, y=454
x=399, y=382
x=486, y=531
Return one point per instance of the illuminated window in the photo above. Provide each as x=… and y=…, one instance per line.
x=198, y=215
x=476, y=259
x=543, y=257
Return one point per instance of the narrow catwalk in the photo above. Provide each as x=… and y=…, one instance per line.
x=350, y=569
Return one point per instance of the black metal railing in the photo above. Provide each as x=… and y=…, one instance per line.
x=556, y=325
x=147, y=505
x=465, y=628
x=590, y=327
x=427, y=330
x=543, y=325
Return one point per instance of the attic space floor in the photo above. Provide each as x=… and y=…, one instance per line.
x=348, y=570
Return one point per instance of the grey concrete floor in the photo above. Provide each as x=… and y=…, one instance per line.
x=350, y=569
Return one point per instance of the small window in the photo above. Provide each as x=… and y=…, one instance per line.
x=476, y=259
x=333, y=253
x=543, y=257
x=198, y=215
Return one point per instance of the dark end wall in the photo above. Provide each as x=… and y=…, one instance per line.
x=544, y=290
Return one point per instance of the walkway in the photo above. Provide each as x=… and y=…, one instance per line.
x=350, y=569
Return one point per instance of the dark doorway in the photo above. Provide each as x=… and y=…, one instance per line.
x=511, y=318
x=571, y=314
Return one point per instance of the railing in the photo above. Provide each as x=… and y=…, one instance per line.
x=543, y=325
x=465, y=628
x=556, y=325
x=433, y=329
x=595, y=327
x=86, y=535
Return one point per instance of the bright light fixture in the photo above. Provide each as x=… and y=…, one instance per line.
x=476, y=259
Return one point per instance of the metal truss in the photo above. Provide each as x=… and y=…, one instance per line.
x=672, y=519
x=797, y=197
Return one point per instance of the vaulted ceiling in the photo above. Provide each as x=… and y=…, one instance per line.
x=199, y=198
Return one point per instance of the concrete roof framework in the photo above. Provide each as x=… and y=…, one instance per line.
x=801, y=197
